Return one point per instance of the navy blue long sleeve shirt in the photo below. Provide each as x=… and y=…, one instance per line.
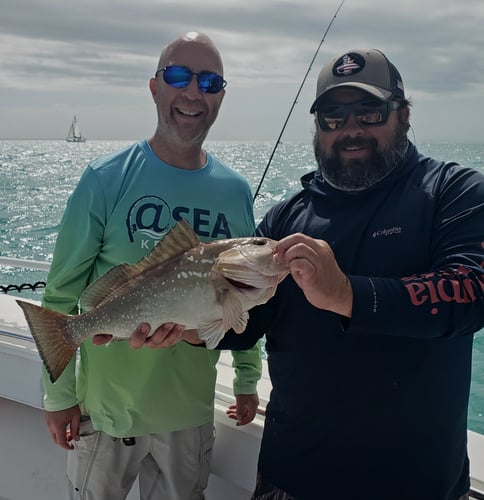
x=375, y=407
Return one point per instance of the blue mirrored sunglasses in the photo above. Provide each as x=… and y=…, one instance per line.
x=181, y=76
x=367, y=114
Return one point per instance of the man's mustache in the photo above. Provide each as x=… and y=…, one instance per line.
x=355, y=142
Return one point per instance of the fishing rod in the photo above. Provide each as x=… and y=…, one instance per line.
x=295, y=100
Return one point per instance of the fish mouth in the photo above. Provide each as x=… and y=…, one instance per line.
x=238, y=284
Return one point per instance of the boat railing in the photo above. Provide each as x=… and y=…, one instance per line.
x=35, y=265
x=25, y=263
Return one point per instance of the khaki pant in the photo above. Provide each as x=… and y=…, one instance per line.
x=170, y=465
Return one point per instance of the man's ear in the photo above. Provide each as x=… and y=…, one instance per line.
x=153, y=87
x=405, y=114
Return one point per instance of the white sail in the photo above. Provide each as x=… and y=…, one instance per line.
x=74, y=134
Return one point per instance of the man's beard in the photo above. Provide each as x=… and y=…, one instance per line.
x=358, y=175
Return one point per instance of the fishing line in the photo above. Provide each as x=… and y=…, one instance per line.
x=295, y=100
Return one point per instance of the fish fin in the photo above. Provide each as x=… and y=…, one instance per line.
x=211, y=333
x=241, y=323
x=178, y=240
x=232, y=317
x=50, y=331
x=101, y=289
x=233, y=314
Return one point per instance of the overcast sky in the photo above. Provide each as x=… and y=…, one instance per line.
x=94, y=58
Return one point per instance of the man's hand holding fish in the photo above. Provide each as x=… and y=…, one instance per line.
x=167, y=335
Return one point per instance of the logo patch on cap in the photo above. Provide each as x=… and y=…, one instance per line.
x=349, y=64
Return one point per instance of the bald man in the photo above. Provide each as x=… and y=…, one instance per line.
x=136, y=411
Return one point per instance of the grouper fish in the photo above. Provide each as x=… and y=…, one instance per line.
x=205, y=286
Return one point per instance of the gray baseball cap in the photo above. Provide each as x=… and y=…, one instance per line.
x=365, y=69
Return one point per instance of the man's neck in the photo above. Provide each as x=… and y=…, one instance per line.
x=189, y=158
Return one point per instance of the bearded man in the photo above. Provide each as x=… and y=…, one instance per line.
x=369, y=341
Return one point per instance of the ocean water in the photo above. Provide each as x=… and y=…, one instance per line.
x=36, y=178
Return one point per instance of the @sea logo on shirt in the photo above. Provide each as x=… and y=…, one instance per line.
x=148, y=217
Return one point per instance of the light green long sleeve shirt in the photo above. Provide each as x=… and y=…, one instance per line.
x=123, y=204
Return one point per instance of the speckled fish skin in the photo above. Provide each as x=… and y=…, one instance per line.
x=205, y=286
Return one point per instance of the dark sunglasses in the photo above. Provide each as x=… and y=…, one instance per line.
x=367, y=114
x=181, y=76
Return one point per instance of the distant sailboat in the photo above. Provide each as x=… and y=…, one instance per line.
x=74, y=134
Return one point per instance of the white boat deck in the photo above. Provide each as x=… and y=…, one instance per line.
x=34, y=467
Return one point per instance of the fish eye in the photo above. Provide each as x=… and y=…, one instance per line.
x=260, y=241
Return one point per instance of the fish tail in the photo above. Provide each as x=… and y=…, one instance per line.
x=52, y=336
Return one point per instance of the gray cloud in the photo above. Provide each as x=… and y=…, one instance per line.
x=95, y=58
